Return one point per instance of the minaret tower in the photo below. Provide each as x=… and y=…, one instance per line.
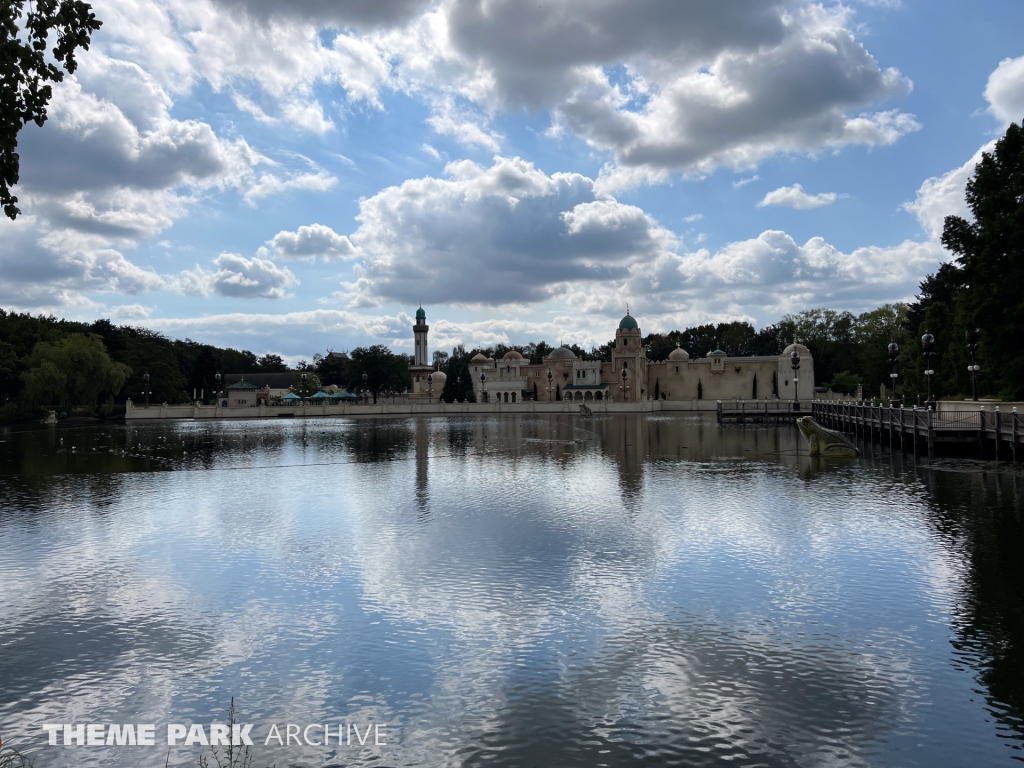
x=421, y=365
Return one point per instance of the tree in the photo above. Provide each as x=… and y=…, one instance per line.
x=990, y=252
x=305, y=387
x=9, y=380
x=459, y=385
x=383, y=368
x=272, y=364
x=331, y=368
x=25, y=72
x=73, y=372
x=845, y=383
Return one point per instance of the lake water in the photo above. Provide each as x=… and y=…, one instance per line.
x=510, y=591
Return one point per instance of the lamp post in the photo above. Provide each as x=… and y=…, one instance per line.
x=551, y=386
x=216, y=394
x=894, y=353
x=928, y=350
x=794, y=363
x=145, y=379
x=430, y=387
x=972, y=338
x=625, y=387
x=366, y=396
x=483, y=380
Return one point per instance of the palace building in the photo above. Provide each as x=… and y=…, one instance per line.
x=629, y=377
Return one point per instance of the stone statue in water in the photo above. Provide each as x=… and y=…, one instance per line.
x=584, y=411
x=825, y=442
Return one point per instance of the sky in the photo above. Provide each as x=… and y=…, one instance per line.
x=297, y=177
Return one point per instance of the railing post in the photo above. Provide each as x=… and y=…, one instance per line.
x=931, y=435
x=981, y=433
x=718, y=409
x=999, y=429
x=913, y=437
x=1013, y=445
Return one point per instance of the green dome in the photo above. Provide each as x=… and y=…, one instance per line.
x=628, y=323
x=420, y=314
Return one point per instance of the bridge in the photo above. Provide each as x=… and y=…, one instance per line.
x=921, y=429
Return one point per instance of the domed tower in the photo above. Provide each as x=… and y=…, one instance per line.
x=421, y=365
x=630, y=356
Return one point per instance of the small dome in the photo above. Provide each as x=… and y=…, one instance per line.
x=804, y=351
x=562, y=353
x=628, y=323
x=679, y=354
x=478, y=358
x=717, y=352
x=512, y=355
x=420, y=314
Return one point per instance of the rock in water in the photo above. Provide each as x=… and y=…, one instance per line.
x=584, y=411
x=825, y=442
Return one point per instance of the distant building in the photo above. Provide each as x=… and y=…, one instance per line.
x=629, y=377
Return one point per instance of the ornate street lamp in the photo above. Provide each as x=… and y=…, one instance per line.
x=625, y=387
x=928, y=350
x=972, y=338
x=551, y=386
x=145, y=379
x=366, y=396
x=894, y=353
x=217, y=379
x=430, y=387
x=794, y=363
x=483, y=380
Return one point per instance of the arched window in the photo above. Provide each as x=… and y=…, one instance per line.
x=513, y=397
x=677, y=369
x=506, y=397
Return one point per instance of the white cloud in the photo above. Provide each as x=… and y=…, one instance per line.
x=942, y=196
x=743, y=182
x=313, y=242
x=269, y=184
x=250, y=278
x=496, y=235
x=131, y=311
x=663, y=87
x=795, y=197
x=1005, y=91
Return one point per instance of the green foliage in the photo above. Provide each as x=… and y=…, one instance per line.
x=306, y=387
x=383, y=368
x=9, y=378
x=331, y=369
x=844, y=382
x=73, y=372
x=271, y=364
x=986, y=289
x=459, y=385
x=27, y=68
